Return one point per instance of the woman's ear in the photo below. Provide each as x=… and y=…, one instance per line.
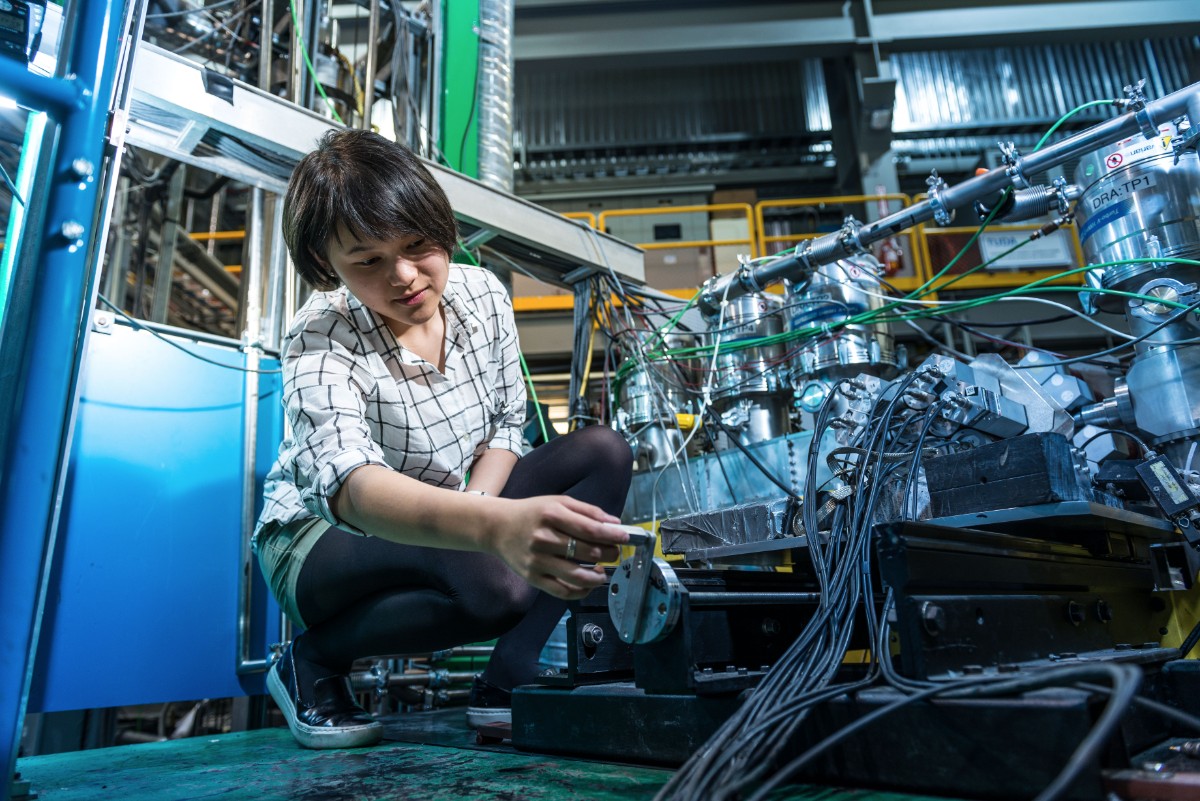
x=324, y=265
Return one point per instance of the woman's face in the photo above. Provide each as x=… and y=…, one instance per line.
x=402, y=280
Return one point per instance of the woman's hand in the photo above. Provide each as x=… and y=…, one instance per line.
x=543, y=539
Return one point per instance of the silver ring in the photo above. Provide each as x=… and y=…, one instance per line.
x=571, y=543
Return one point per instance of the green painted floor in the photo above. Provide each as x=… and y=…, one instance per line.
x=267, y=765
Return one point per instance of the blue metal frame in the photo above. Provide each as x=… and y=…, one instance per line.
x=32, y=464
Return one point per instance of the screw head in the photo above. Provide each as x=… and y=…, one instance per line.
x=82, y=168
x=933, y=618
x=72, y=230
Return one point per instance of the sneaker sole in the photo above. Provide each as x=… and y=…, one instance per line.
x=319, y=737
x=482, y=716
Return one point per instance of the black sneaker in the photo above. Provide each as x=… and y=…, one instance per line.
x=488, y=704
x=330, y=718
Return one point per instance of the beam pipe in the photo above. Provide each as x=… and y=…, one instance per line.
x=848, y=242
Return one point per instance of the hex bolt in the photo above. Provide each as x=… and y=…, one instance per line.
x=72, y=230
x=1075, y=613
x=82, y=168
x=591, y=635
x=1104, y=611
x=933, y=618
x=770, y=626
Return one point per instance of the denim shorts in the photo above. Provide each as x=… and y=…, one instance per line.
x=282, y=550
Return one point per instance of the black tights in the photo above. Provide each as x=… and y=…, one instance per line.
x=364, y=596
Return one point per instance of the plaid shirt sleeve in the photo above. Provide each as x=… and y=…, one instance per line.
x=510, y=417
x=327, y=389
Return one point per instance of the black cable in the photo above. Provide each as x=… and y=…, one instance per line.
x=728, y=483
x=1190, y=641
x=138, y=326
x=1128, y=434
x=716, y=418
x=1018, y=323
x=1169, y=712
x=1125, y=680
x=1129, y=343
x=462, y=146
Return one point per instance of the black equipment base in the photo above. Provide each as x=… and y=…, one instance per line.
x=989, y=749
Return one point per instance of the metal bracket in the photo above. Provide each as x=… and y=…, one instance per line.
x=941, y=215
x=644, y=596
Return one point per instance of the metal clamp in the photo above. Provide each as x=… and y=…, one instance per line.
x=1187, y=138
x=1136, y=102
x=1014, y=165
x=746, y=275
x=941, y=215
x=1062, y=195
x=848, y=235
x=644, y=594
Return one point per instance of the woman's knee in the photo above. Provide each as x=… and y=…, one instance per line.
x=496, y=602
x=609, y=453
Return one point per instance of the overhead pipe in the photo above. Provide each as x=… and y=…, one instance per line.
x=853, y=238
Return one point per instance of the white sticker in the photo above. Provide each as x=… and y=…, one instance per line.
x=1137, y=147
x=1049, y=251
x=1106, y=195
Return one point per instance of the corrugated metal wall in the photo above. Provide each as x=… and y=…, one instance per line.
x=579, y=110
x=1013, y=87
x=955, y=93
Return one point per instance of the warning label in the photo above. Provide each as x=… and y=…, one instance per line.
x=1135, y=147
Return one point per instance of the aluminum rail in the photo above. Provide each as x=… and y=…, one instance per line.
x=854, y=237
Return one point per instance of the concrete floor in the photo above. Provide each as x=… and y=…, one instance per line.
x=426, y=756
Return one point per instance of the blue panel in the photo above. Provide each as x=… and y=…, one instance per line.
x=142, y=605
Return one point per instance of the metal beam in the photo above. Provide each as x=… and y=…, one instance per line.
x=975, y=24
x=585, y=31
x=38, y=419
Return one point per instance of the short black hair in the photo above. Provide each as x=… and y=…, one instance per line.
x=374, y=187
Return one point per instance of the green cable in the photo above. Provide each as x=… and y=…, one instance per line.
x=876, y=315
x=879, y=315
x=470, y=256
x=1067, y=116
x=311, y=69
x=533, y=394
x=921, y=291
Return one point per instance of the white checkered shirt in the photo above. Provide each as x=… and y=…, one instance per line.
x=354, y=396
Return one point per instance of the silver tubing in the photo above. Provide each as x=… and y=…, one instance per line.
x=252, y=347
x=496, y=94
x=265, y=51
x=851, y=241
x=369, y=72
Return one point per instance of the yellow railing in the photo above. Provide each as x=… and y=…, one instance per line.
x=917, y=266
x=994, y=278
x=586, y=216
x=900, y=280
